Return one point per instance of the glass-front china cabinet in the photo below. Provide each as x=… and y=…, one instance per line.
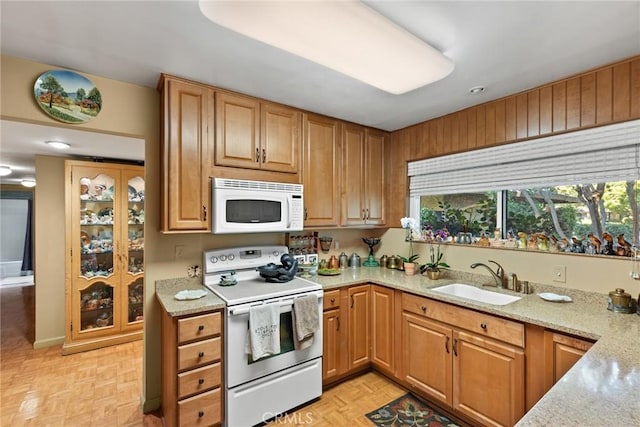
x=105, y=242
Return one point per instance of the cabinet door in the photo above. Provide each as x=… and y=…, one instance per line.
x=353, y=178
x=427, y=357
x=561, y=353
x=188, y=140
x=359, y=326
x=375, y=178
x=331, y=344
x=320, y=169
x=279, y=138
x=237, y=131
x=382, y=328
x=488, y=380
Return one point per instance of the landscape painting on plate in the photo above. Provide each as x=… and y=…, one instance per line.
x=67, y=96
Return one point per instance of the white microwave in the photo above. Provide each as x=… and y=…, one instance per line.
x=242, y=206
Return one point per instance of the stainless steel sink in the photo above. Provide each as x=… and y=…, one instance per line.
x=476, y=294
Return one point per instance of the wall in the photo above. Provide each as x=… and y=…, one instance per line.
x=588, y=273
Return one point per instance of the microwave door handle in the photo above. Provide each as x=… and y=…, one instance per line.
x=288, y=213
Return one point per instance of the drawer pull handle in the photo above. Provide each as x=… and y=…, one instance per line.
x=200, y=381
x=338, y=319
x=455, y=346
x=423, y=308
x=200, y=414
x=483, y=325
x=201, y=354
x=201, y=327
x=333, y=300
x=446, y=345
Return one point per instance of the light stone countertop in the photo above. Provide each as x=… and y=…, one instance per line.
x=603, y=388
x=166, y=290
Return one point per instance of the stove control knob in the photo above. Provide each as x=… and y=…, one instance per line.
x=213, y=259
x=231, y=257
x=223, y=257
x=276, y=253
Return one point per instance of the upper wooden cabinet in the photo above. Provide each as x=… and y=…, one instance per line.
x=363, y=176
x=320, y=170
x=187, y=141
x=255, y=135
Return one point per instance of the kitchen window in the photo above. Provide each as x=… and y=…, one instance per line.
x=576, y=192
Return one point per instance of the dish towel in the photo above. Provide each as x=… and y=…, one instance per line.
x=305, y=320
x=263, y=337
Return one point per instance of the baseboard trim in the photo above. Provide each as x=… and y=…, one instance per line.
x=50, y=342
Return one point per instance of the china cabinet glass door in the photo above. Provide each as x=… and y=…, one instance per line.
x=95, y=265
x=134, y=238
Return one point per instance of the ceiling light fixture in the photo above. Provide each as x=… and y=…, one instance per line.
x=29, y=182
x=476, y=90
x=5, y=170
x=346, y=36
x=58, y=144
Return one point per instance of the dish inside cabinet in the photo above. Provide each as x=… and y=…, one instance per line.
x=96, y=306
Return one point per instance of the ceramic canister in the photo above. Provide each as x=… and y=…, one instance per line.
x=620, y=301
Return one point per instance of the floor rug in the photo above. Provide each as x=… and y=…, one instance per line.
x=408, y=410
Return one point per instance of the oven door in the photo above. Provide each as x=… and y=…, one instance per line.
x=240, y=368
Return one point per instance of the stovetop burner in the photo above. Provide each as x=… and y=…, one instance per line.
x=250, y=286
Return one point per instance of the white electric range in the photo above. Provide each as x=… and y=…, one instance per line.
x=256, y=391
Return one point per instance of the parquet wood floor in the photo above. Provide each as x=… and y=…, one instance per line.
x=43, y=388
x=345, y=404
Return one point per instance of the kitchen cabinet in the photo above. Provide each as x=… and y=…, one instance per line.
x=561, y=352
x=346, y=330
x=334, y=337
x=359, y=327
x=105, y=243
x=320, y=171
x=469, y=361
x=187, y=141
x=382, y=328
x=363, y=176
x=256, y=135
x=192, y=369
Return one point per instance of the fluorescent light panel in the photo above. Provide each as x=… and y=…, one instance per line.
x=346, y=36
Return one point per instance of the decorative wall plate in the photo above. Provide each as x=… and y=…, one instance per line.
x=67, y=96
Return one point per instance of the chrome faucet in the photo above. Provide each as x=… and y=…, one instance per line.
x=498, y=275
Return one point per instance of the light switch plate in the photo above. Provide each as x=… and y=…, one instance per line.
x=559, y=273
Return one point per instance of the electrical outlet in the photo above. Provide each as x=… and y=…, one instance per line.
x=179, y=251
x=559, y=273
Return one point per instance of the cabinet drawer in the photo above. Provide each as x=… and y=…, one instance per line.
x=484, y=324
x=198, y=353
x=198, y=380
x=201, y=410
x=196, y=327
x=331, y=299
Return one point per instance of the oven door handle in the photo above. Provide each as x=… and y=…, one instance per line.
x=287, y=302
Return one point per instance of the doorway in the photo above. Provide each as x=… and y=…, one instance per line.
x=16, y=238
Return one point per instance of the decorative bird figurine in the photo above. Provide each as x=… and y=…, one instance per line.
x=564, y=243
x=532, y=243
x=626, y=246
x=608, y=244
x=595, y=242
x=522, y=243
x=577, y=245
x=543, y=242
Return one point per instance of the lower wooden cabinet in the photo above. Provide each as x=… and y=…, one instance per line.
x=561, y=353
x=346, y=332
x=382, y=328
x=192, y=370
x=470, y=372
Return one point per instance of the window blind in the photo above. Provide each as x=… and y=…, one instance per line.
x=608, y=153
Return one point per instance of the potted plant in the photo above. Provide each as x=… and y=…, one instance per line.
x=435, y=264
x=409, y=263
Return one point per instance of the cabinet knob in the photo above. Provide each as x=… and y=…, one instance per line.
x=200, y=381
x=201, y=327
x=204, y=212
x=333, y=300
x=423, y=308
x=306, y=214
x=483, y=325
x=201, y=354
x=264, y=155
x=200, y=414
x=257, y=155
